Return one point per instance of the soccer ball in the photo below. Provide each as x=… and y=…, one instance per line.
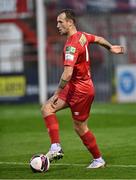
x=39, y=163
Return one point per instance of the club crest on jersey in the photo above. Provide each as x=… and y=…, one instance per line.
x=70, y=49
x=82, y=40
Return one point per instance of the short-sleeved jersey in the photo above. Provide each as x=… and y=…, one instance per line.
x=76, y=54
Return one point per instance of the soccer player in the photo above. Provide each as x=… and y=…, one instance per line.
x=75, y=89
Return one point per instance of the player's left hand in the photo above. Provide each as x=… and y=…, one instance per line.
x=117, y=49
x=54, y=100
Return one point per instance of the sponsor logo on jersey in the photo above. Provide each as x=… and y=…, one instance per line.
x=82, y=40
x=69, y=57
x=70, y=49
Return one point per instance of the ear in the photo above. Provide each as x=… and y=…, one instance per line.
x=70, y=21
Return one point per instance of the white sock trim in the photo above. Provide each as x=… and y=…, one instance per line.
x=99, y=159
x=55, y=147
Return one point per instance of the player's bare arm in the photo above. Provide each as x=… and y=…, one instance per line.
x=117, y=49
x=65, y=78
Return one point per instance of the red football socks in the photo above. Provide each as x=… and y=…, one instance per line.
x=90, y=142
x=52, y=125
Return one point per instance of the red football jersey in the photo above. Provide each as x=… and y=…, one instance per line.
x=76, y=54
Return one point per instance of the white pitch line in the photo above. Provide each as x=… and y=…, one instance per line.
x=67, y=164
x=14, y=163
x=114, y=112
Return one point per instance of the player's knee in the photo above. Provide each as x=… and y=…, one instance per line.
x=80, y=128
x=47, y=110
x=77, y=127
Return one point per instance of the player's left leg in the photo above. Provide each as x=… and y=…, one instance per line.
x=51, y=122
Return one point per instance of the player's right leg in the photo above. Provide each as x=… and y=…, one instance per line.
x=51, y=122
x=80, y=112
x=90, y=143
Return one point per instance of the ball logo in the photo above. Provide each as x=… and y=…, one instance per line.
x=127, y=82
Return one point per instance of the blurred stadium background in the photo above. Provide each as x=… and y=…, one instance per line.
x=114, y=76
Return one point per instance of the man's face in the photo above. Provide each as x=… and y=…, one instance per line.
x=63, y=24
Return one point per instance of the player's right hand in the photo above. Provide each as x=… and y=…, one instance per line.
x=117, y=49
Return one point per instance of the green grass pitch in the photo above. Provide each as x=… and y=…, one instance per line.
x=22, y=134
